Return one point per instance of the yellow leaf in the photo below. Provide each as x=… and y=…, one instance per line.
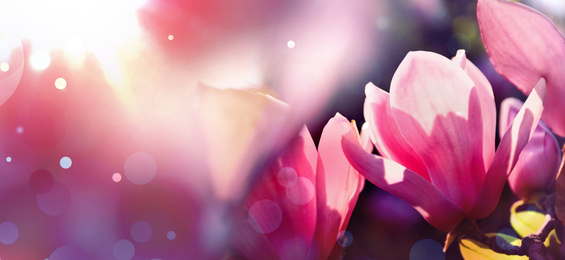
x=473, y=250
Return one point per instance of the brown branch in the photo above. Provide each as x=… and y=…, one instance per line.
x=532, y=245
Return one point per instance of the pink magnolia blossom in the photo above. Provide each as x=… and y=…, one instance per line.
x=538, y=163
x=525, y=46
x=305, y=198
x=435, y=132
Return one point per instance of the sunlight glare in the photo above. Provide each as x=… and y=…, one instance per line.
x=59, y=23
x=40, y=60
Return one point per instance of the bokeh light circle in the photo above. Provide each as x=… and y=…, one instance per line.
x=501, y=242
x=344, y=238
x=41, y=181
x=141, y=231
x=41, y=124
x=124, y=250
x=60, y=83
x=140, y=168
x=171, y=235
x=302, y=192
x=11, y=66
x=69, y=252
x=56, y=201
x=8, y=159
x=116, y=177
x=65, y=162
x=287, y=177
x=265, y=216
x=9, y=233
x=290, y=44
x=427, y=249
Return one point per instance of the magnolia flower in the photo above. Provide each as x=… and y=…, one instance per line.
x=525, y=46
x=435, y=132
x=538, y=163
x=303, y=202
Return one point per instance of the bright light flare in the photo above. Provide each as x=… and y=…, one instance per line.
x=40, y=60
x=59, y=23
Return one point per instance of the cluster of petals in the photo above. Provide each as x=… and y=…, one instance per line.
x=539, y=161
x=302, y=203
x=524, y=46
x=435, y=132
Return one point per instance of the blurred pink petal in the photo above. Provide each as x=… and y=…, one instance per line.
x=281, y=209
x=300, y=204
x=538, y=163
x=240, y=129
x=525, y=46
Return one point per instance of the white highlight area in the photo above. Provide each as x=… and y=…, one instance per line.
x=40, y=60
x=60, y=23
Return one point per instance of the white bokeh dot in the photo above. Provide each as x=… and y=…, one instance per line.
x=116, y=177
x=287, y=177
x=9, y=233
x=141, y=231
x=140, y=168
x=171, y=235
x=8, y=159
x=4, y=67
x=302, y=192
x=290, y=44
x=171, y=37
x=265, y=216
x=124, y=250
x=65, y=162
x=60, y=83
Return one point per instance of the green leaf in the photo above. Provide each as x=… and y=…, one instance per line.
x=473, y=250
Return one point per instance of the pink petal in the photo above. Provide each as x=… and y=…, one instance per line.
x=338, y=184
x=511, y=144
x=539, y=161
x=385, y=134
x=537, y=165
x=525, y=46
x=281, y=209
x=438, y=111
x=509, y=108
x=488, y=108
x=392, y=177
x=365, y=138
